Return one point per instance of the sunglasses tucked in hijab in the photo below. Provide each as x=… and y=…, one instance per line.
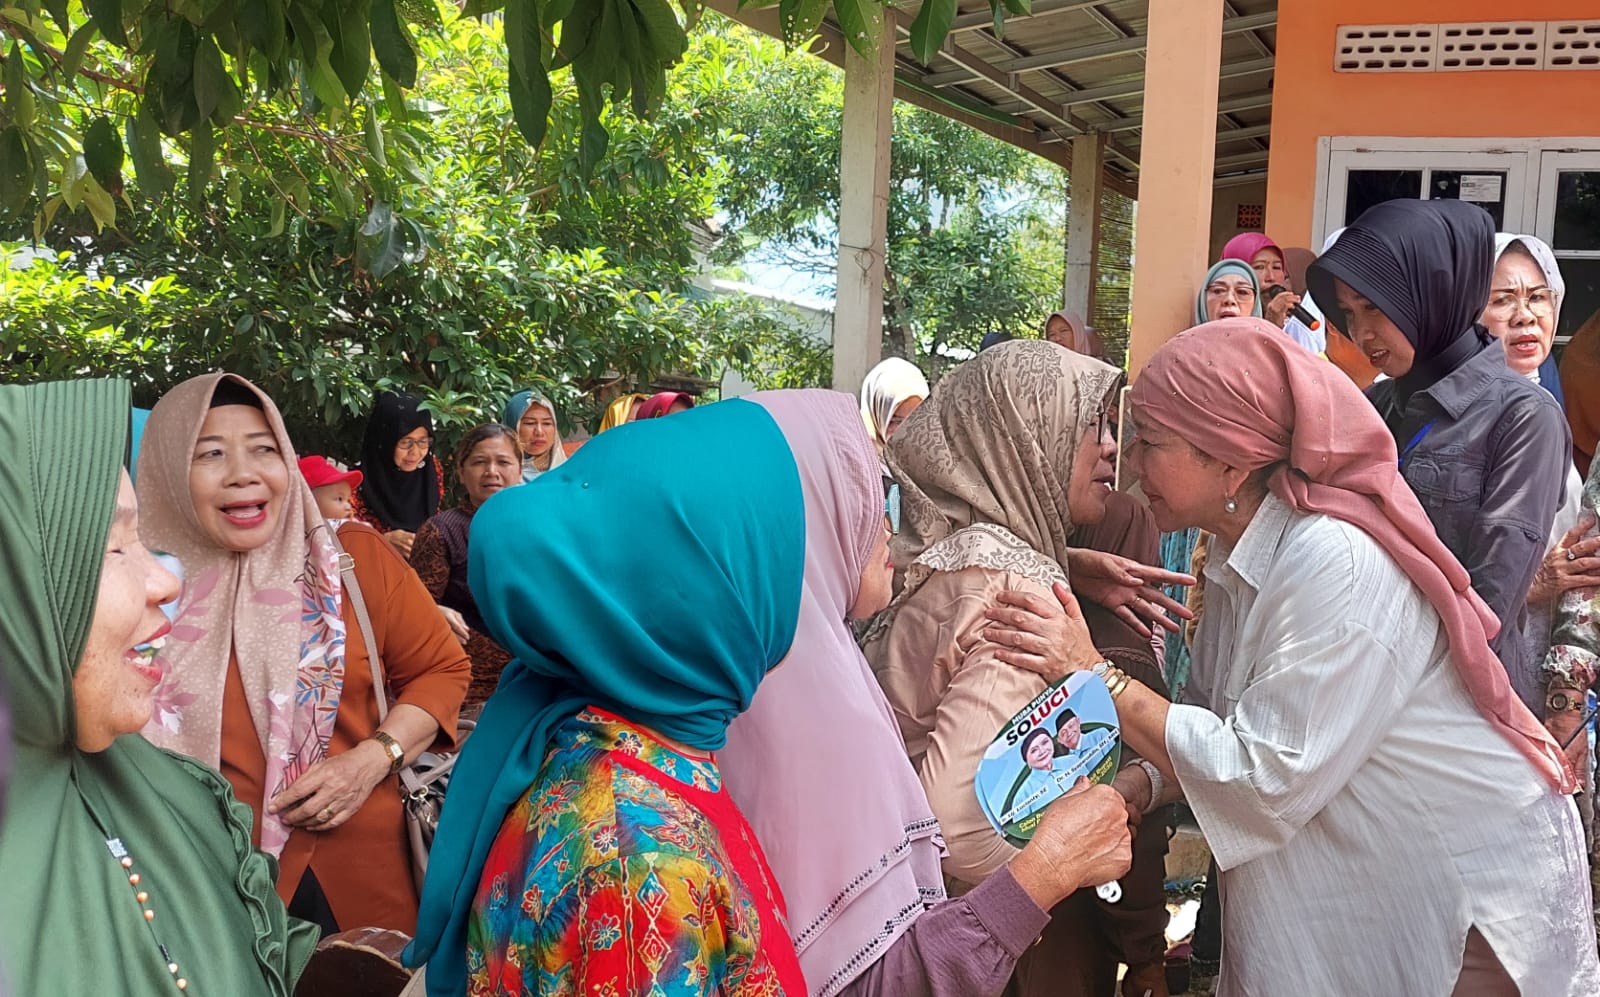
x=590, y=625
x=396, y=499
x=72, y=924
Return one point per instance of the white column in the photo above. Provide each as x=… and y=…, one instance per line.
x=863, y=209
x=1083, y=223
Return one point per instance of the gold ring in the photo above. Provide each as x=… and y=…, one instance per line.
x=326, y=813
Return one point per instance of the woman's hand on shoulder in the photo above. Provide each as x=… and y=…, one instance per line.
x=331, y=791
x=1128, y=588
x=1048, y=638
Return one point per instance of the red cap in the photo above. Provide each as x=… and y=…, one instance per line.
x=319, y=471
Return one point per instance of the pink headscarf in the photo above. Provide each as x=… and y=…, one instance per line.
x=1246, y=245
x=1242, y=392
x=657, y=405
x=816, y=764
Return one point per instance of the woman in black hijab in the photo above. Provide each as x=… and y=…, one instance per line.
x=401, y=480
x=1476, y=441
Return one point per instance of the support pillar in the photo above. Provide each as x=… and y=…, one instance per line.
x=863, y=208
x=1177, y=166
x=1083, y=224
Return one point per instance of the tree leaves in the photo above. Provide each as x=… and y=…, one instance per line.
x=102, y=153
x=391, y=40
x=861, y=21
x=16, y=169
x=528, y=82
x=150, y=167
x=928, y=31
x=108, y=15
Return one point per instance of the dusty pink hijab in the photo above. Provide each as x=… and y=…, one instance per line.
x=276, y=609
x=1242, y=392
x=816, y=764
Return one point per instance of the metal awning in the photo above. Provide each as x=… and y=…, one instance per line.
x=1071, y=67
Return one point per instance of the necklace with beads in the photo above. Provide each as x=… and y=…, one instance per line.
x=141, y=894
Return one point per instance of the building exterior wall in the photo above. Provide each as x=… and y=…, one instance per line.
x=1311, y=100
x=1225, y=204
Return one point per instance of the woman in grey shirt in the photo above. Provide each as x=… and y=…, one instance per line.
x=1477, y=442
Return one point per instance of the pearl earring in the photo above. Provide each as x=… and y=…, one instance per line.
x=1230, y=505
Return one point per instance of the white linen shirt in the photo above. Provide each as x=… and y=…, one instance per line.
x=1363, y=812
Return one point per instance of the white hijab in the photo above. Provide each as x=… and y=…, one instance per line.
x=888, y=385
x=1544, y=256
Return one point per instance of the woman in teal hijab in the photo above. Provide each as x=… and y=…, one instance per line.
x=532, y=417
x=128, y=870
x=589, y=767
x=1230, y=290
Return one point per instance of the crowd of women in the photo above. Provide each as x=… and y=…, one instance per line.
x=727, y=726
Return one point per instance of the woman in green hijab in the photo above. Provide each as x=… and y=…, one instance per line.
x=128, y=869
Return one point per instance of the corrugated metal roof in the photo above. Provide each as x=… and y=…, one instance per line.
x=1073, y=66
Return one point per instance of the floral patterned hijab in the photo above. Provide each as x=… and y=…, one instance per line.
x=275, y=609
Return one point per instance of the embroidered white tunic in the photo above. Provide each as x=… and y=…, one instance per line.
x=1364, y=814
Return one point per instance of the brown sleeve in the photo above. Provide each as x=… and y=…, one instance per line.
x=430, y=560
x=423, y=663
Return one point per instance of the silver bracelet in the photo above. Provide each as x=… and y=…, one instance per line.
x=1157, y=783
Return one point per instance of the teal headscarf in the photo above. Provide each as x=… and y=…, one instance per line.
x=1226, y=267
x=671, y=626
x=71, y=923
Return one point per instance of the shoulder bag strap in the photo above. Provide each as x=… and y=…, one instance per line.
x=409, y=782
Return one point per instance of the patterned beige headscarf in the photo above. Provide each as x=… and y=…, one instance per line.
x=276, y=609
x=983, y=466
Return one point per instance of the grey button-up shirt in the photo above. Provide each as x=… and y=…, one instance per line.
x=1486, y=473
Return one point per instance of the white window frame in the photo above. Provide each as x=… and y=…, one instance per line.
x=1552, y=162
x=1337, y=154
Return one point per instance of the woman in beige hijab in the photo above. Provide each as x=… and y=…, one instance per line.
x=997, y=469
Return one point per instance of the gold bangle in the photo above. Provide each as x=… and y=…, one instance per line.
x=1122, y=681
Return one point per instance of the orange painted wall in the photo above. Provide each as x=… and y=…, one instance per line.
x=1310, y=100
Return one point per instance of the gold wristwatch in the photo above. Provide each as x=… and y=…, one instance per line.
x=1563, y=700
x=391, y=747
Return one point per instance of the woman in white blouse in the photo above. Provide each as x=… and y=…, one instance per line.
x=1388, y=817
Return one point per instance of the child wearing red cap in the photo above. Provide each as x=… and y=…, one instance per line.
x=333, y=487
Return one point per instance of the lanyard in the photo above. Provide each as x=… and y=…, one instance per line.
x=1421, y=435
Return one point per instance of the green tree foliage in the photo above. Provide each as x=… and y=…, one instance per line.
x=197, y=70
x=976, y=229
x=421, y=245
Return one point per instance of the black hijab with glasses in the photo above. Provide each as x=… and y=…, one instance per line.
x=401, y=500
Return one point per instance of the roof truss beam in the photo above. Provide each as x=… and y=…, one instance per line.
x=1100, y=50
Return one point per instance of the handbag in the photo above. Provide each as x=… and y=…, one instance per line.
x=424, y=781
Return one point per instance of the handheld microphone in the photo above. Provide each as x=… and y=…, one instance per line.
x=1306, y=318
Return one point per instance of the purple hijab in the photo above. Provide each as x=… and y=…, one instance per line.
x=816, y=764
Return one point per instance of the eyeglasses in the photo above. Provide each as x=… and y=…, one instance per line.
x=1104, y=423
x=1242, y=291
x=1541, y=301
x=412, y=446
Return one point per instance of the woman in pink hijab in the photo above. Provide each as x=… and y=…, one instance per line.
x=1271, y=267
x=819, y=770
x=664, y=403
x=1387, y=815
